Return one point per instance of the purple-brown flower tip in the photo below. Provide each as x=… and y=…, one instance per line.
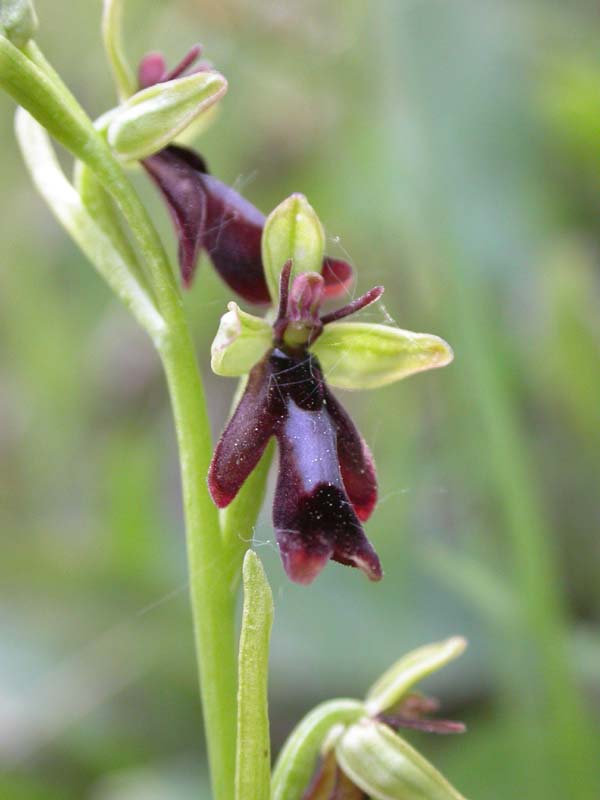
x=211, y=216
x=326, y=482
x=338, y=276
x=153, y=67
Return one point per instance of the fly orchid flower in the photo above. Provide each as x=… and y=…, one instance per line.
x=207, y=214
x=351, y=750
x=326, y=485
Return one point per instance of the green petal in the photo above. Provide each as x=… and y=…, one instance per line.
x=297, y=760
x=387, y=768
x=153, y=117
x=395, y=683
x=241, y=341
x=361, y=355
x=292, y=231
x=253, y=763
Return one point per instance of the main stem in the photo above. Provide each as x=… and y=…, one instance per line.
x=210, y=564
x=210, y=567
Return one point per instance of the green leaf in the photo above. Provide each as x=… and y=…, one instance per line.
x=241, y=341
x=68, y=208
x=253, y=762
x=386, y=767
x=112, y=17
x=395, y=683
x=298, y=757
x=102, y=209
x=361, y=355
x=18, y=21
x=292, y=232
x=153, y=117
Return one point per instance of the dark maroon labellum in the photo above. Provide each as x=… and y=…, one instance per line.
x=326, y=483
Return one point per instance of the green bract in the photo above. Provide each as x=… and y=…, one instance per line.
x=18, y=21
x=361, y=355
x=394, y=684
x=386, y=767
x=253, y=762
x=292, y=232
x=153, y=117
x=241, y=341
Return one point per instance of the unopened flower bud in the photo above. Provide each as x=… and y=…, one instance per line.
x=292, y=232
x=154, y=116
x=386, y=767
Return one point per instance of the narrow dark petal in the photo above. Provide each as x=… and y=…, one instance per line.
x=192, y=55
x=439, y=726
x=245, y=437
x=356, y=305
x=182, y=186
x=356, y=462
x=312, y=515
x=284, y=291
x=338, y=276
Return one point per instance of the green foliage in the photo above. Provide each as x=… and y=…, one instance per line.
x=253, y=763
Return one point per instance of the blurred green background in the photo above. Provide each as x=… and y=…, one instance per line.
x=452, y=149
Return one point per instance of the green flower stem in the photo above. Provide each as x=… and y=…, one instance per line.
x=212, y=564
x=111, y=33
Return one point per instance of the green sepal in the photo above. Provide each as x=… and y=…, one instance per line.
x=153, y=117
x=297, y=760
x=241, y=341
x=396, y=682
x=253, y=763
x=386, y=767
x=361, y=355
x=18, y=21
x=292, y=232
